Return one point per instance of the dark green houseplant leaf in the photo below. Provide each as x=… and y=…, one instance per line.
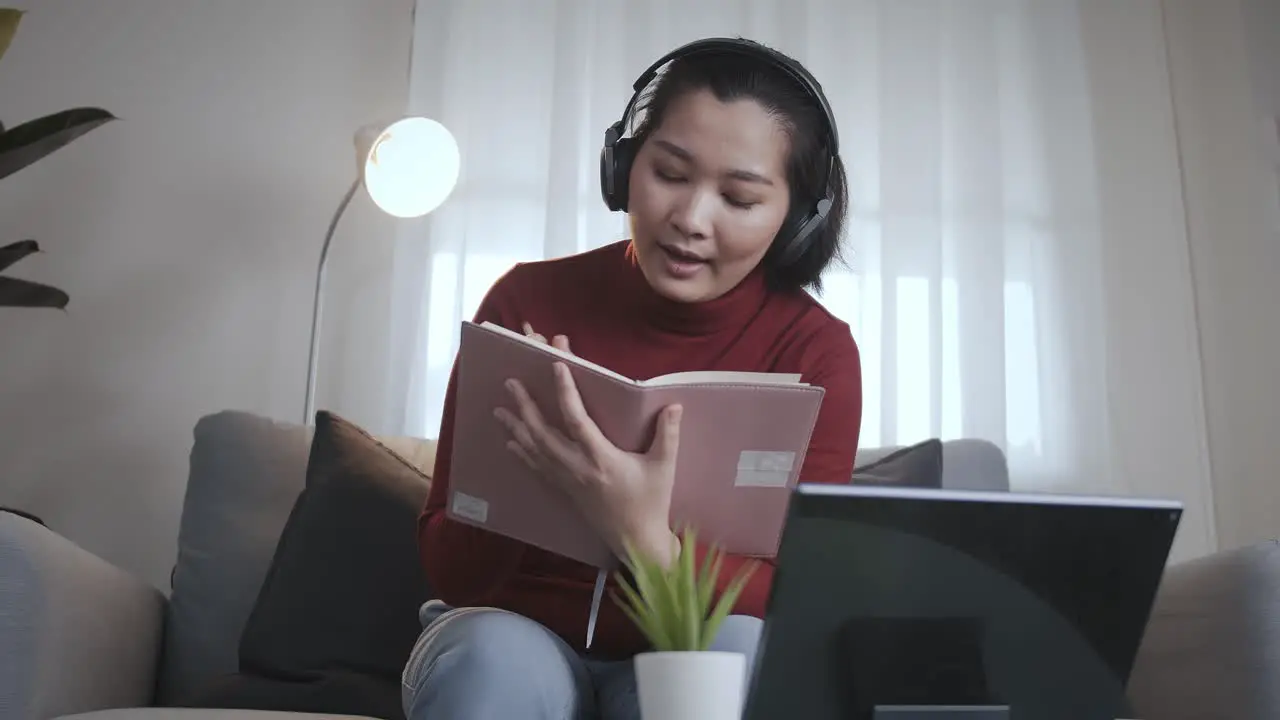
x=22, y=145
x=13, y=252
x=9, y=19
x=24, y=293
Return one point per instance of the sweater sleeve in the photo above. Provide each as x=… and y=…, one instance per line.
x=465, y=565
x=829, y=459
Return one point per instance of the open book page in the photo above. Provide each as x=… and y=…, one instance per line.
x=704, y=377
x=693, y=377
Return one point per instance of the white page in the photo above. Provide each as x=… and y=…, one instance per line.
x=692, y=377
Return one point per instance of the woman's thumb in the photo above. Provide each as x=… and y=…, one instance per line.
x=667, y=440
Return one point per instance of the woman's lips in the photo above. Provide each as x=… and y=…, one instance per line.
x=682, y=254
x=680, y=263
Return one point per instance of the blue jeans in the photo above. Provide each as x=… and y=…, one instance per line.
x=490, y=664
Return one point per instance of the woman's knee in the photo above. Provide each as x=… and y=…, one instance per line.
x=461, y=657
x=741, y=634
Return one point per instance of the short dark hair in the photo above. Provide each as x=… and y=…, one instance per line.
x=730, y=76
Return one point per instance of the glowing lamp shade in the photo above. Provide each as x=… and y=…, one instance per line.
x=408, y=168
x=411, y=167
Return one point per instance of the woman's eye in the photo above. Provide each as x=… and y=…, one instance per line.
x=743, y=204
x=667, y=175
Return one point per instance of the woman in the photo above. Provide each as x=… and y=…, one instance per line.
x=736, y=198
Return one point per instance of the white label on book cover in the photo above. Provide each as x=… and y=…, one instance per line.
x=764, y=468
x=470, y=507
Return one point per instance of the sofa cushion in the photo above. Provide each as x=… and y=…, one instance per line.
x=346, y=581
x=245, y=473
x=1211, y=648
x=338, y=692
x=156, y=713
x=918, y=466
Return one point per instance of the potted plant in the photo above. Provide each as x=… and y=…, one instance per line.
x=21, y=146
x=681, y=678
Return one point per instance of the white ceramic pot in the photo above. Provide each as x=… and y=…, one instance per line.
x=690, y=685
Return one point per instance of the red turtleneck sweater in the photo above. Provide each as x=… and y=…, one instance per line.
x=600, y=300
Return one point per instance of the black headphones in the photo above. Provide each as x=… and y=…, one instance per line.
x=618, y=151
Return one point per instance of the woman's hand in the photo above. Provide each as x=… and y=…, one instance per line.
x=626, y=496
x=560, y=342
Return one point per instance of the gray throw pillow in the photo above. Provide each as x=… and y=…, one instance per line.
x=916, y=466
x=245, y=473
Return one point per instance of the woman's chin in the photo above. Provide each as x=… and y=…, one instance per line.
x=682, y=291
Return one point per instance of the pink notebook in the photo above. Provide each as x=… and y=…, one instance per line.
x=743, y=441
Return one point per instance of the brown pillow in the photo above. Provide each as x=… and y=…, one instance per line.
x=346, y=581
x=916, y=466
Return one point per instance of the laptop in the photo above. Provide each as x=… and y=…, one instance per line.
x=905, y=604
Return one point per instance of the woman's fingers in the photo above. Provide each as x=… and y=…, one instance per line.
x=528, y=330
x=519, y=431
x=520, y=452
x=559, y=342
x=522, y=443
x=545, y=439
x=579, y=423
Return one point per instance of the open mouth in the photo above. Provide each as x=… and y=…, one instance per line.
x=681, y=256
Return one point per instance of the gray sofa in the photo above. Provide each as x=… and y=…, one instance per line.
x=80, y=637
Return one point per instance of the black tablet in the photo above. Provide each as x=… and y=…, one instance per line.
x=889, y=603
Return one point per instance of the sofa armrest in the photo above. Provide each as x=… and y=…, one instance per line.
x=1212, y=646
x=77, y=633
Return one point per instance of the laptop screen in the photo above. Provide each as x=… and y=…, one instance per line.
x=889, y=596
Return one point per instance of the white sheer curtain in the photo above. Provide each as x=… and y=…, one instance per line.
x=1017, y=253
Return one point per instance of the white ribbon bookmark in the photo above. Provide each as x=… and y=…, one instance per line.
x=596, y=596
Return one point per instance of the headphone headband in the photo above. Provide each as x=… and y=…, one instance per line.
x=748, y=48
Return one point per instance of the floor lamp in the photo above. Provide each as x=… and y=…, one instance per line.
x=408, y=168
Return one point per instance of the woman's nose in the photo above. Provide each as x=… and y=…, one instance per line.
x=692, y=217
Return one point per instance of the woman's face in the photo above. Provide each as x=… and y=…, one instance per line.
x=708, y=193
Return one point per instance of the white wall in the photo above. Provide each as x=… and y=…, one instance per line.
x=1235, y=250
x=186, y=234
x=1262, y=32
x=1262, y=28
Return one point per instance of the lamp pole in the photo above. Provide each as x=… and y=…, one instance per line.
x=313, y=359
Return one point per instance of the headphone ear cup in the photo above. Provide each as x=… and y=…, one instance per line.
x=615, y=168
x=623, y=155
x=793, y=238
x=606, y=168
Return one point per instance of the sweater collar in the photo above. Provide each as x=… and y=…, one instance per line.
x=732, y=309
